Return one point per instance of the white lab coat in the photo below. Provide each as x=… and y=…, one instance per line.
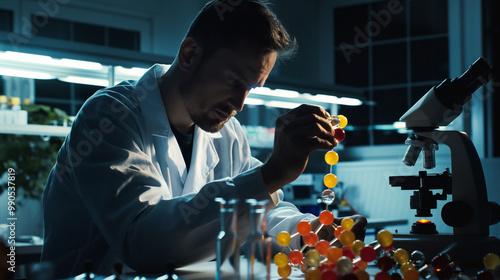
x=120, y=190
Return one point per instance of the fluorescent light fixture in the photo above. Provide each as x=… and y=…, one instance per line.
x=25, y=57
x=81, y=64
x=47, y=60
x=322, y=98
x=85, y=81
x=275, y=93
x=384, y=127
x=134, y=71
x=282, y=104
x=402, y=126
x=399, y=125
x=349, y=101
x=272, y=103
x=261, y=91
x=267, y=94
x=25, y=74
x=285, y=93
x=36, y=66
x=333, y=99
x=254, y=101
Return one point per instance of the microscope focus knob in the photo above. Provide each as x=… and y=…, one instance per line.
x=456, y=213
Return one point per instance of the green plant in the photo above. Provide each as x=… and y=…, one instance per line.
x=32, y=156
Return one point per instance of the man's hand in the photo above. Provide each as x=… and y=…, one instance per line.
x=298, y=133
x=328, y=233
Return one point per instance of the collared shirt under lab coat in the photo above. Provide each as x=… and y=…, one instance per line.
x=120, y=190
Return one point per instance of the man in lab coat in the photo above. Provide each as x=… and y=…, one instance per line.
x=136, y=178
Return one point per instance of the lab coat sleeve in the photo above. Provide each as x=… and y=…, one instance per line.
x=284, y=216
x=243, y=162
x=112, y=174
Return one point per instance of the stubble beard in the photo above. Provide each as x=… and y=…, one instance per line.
x=198, y=111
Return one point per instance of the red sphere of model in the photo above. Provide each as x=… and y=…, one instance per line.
x=295, y=257
x=339, y=134
x=368, y=254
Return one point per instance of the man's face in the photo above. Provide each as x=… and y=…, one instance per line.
x=220, y=84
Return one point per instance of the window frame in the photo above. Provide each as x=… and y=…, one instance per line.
x=464, y=47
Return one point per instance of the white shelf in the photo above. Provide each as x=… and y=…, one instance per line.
x=35, y=129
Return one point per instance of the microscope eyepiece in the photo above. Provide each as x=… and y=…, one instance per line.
x=444, y=103
x=478, y=74
x=455, y=93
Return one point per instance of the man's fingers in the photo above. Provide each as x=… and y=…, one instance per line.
x=308, y=109
x=298, y=133
x=308, y=131
x=305, y=115
x=312, y=131
x=359, y=227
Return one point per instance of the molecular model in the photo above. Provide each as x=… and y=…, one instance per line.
x=324, y=261
x=329, y=260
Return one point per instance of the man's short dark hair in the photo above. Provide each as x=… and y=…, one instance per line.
x=228, y=23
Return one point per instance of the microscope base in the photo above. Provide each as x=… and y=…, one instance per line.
x=468, y=252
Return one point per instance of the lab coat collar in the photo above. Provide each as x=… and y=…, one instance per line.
x=203, y=160
x=149, y=95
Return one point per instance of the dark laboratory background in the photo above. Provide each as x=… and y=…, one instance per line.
x=377, y=57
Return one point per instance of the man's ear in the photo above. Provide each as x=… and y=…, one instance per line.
x=189, y=54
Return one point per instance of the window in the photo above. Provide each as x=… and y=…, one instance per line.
x=65, y=96
x=87, y=33
x=395, y=51
x=6, y=19
x=55, y=28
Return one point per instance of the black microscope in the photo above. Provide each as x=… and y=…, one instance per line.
x=469, y=212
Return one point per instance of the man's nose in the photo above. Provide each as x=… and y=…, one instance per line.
x=239, y=100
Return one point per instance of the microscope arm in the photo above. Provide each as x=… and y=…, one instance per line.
x=468, y=184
